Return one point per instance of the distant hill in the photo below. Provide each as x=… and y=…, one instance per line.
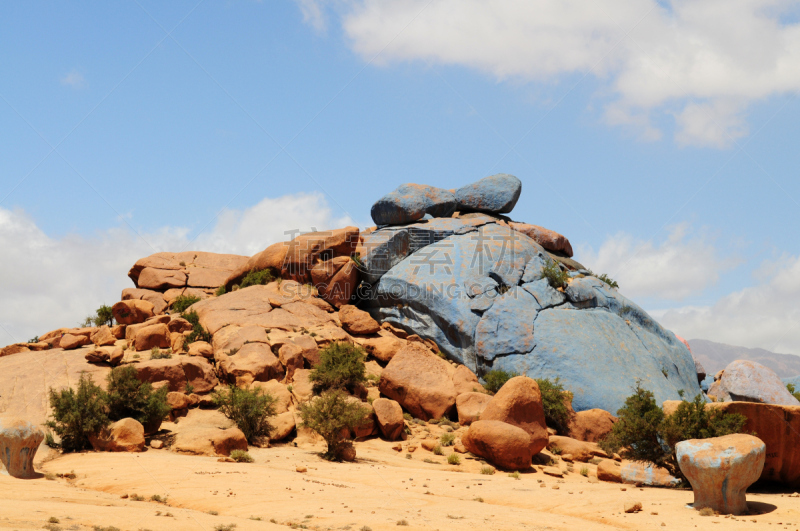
x=717, y=356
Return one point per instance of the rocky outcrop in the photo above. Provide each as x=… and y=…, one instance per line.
x=254, y=362
x=579, y=450
x=126, y=435
x=550, y=240
x=357, y=321
x=591, y=425
x=179, y=371
x=162, y=271
x=748, y=381
x=19, y=440
x=153, y=297
x=720, y=469
x=497, y=194
x=519, y=403
x=132, y=311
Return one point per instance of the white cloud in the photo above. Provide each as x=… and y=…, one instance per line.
x=765, y=315
x=46, y=283
x=312, y=13
x=700, y=61
x=683, y=265
x=74, y=79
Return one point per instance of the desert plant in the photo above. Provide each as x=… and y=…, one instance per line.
x=158, y=354
x=584, y=471
x=554, y=400
x=225, y=527
x=514, y=474
x=341, y=366
x=402, y=522
x=495, y=379
x=608, y=280
x=50, y=441
x=437, y=450
x=644, y=433
x=256, y=278
x=556, y=277
x=182, y=302
x=220, y=291
x=488, y=470
x=333, y=415
x=198, y=332
x=447, y=439
x=248, y=409
x=103, y=316
x=34, y=339
x=127, y=396
x=158, y=498
x=78, y=413
x=241, y=456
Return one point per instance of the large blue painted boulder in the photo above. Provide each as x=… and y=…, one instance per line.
x=410, y=202
x=480, y=294
x=496, y=193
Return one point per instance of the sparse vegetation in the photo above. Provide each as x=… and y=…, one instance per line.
x=437, y=450
x=158, y=498
x=256, y=278
x=34, y=339
x=608, y=280
x=495, y=379
x=248, y=409
x=241, y=456
x=402, y=522
x=584, y=471
x=225, y=527
x=158, y=354
x=182, y=302
x=644, y=433
x=556, y=277
x=78, y=413
x=488, y=470
x=453, y=459
x=554, y=400
x=107, y=528
x=447, y=439
x=220, y=291
x=332, y=415
x=198, y=332
x=341, y=366
x=49, y=440
x=53, y=520
x=515, y=474
x=102, y=316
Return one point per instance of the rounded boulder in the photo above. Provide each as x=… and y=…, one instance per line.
x=505, y=446
x=19, y=440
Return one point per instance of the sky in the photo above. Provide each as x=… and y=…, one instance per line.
x=661, y=137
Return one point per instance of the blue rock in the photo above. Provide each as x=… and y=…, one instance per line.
x=749, y=381
x=599, y=358
x=411, y=202
x=496, y=193
x=534, y=268
x=545, y=295
x=507, y=327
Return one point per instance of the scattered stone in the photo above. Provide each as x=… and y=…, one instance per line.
x=553, y=471
x=357, y=321
x=301, y=469
x=389, y=416
x=633, y=507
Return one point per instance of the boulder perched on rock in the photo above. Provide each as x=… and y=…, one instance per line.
x=153, y=336
x=720, y=469
x=497, y=194
x=389, y=415
x=179, y=371
x=357, y=321
x=132, y=311
x=254, y=362
x=519, y=403
x=151, y=296
x=749, y=381
x=550, y=240
x=70, y=341
x=410, y=202
x=126, y=435
x=504, y=445
x=103, y=336
x=163, y=271
x=420, y=381
x=19, y=440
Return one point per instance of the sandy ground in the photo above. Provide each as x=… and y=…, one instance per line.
x=381, y=490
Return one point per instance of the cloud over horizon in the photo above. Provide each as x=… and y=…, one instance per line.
x=698, y=64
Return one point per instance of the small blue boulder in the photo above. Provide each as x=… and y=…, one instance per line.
x=410, y=202
x=496, y=193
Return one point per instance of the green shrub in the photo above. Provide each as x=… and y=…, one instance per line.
x=333, y=415
x=256, y=278
x=554, y=400
x=35, y=339
x=102, y=316
x=128, y=397
x=77, y=414
x=182, y=302
x=496, y=379
x=50, y=441
x=437, y=450
x=341, y=366
x=514, y=474
x=241, y=456
x=248, y=409
x=488, y=470
x=556, y=277
x=790, y=387
x=644, y=433
x=447, y=439
x=220, y=291
x=198, y=332
x=608, y=280
x=453, y=459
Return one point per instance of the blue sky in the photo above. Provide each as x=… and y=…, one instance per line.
x=679, y=178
